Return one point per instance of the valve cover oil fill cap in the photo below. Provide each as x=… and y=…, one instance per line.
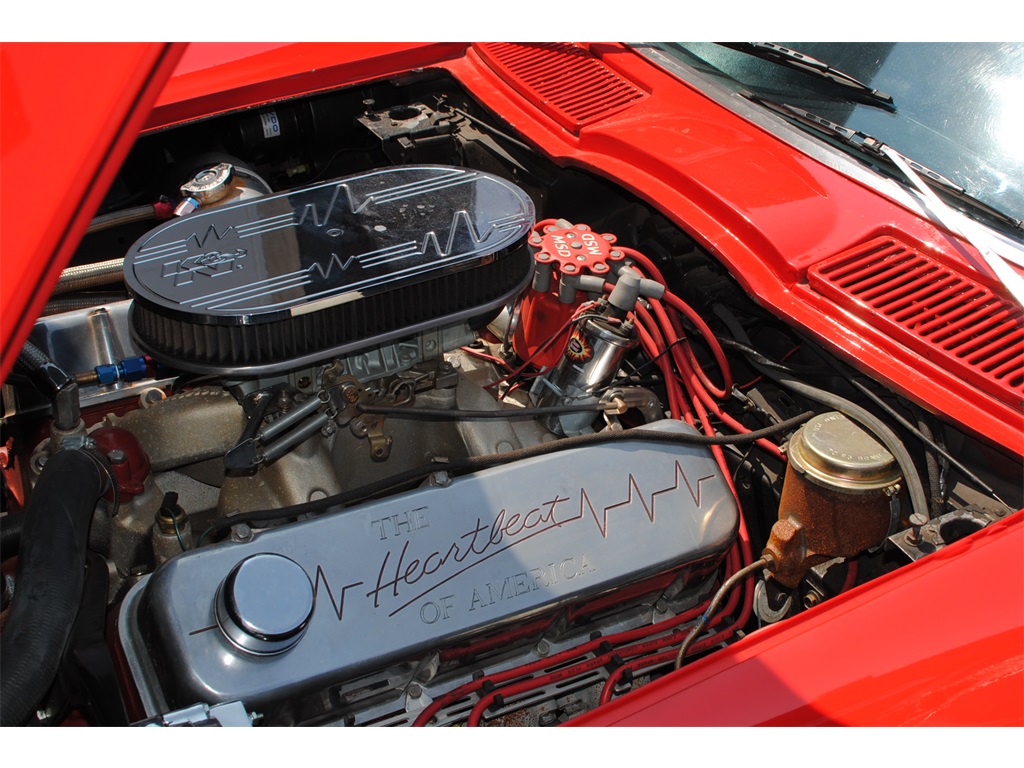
x=264, y=604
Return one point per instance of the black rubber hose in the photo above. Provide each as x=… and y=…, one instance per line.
x=923, y=433
x=54, y=382
x=10, y=533
x=881, y=432
x=931, y=463
x=49, y=580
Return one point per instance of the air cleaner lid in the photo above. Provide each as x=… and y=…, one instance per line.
x=276, y=282
x=300, y=252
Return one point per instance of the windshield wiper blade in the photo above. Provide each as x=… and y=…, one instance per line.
x=869, y=145
x=787, y=57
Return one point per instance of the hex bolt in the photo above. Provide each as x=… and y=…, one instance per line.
x=117, y=456
x=543, y=648
x=414, y=690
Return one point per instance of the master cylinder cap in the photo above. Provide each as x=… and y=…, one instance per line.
x=836, y=497
x=834, y=452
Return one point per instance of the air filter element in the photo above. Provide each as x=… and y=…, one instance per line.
x=292, y=279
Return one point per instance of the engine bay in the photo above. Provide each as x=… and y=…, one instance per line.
x=388, y=419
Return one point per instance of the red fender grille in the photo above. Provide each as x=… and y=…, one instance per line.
x=567, y=82
x=936, y=311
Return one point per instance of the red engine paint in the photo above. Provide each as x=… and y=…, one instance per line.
x=128, y=459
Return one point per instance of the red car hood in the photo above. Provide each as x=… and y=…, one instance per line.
x=60, y=147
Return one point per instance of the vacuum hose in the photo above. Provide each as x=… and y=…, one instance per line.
x=49, y=580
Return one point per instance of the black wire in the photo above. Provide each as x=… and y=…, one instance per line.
x=931, y=444
x=753, y=354
x=743, y=460
x=476, y=463
x=927, y=441
x=115, y=487
x=191, y=379
x=737, y=577
x=862, y=416
x=454, y=414
x=323, y=170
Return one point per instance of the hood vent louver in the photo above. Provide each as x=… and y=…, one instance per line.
x=940, y=313
x=567, y=82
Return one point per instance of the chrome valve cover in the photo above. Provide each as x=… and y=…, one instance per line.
x=398, y=578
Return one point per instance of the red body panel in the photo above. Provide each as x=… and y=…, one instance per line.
x=937, y=642
x=62, y=144
x=218, y=77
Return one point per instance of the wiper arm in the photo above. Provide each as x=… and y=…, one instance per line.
x=787, y=57
x=921, y=179
x=873, y=147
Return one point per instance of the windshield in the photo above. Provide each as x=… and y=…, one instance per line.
x=958, y=106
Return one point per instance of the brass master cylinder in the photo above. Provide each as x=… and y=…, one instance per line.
x=835, y=499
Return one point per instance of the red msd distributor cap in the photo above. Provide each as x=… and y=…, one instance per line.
x=563, y=253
